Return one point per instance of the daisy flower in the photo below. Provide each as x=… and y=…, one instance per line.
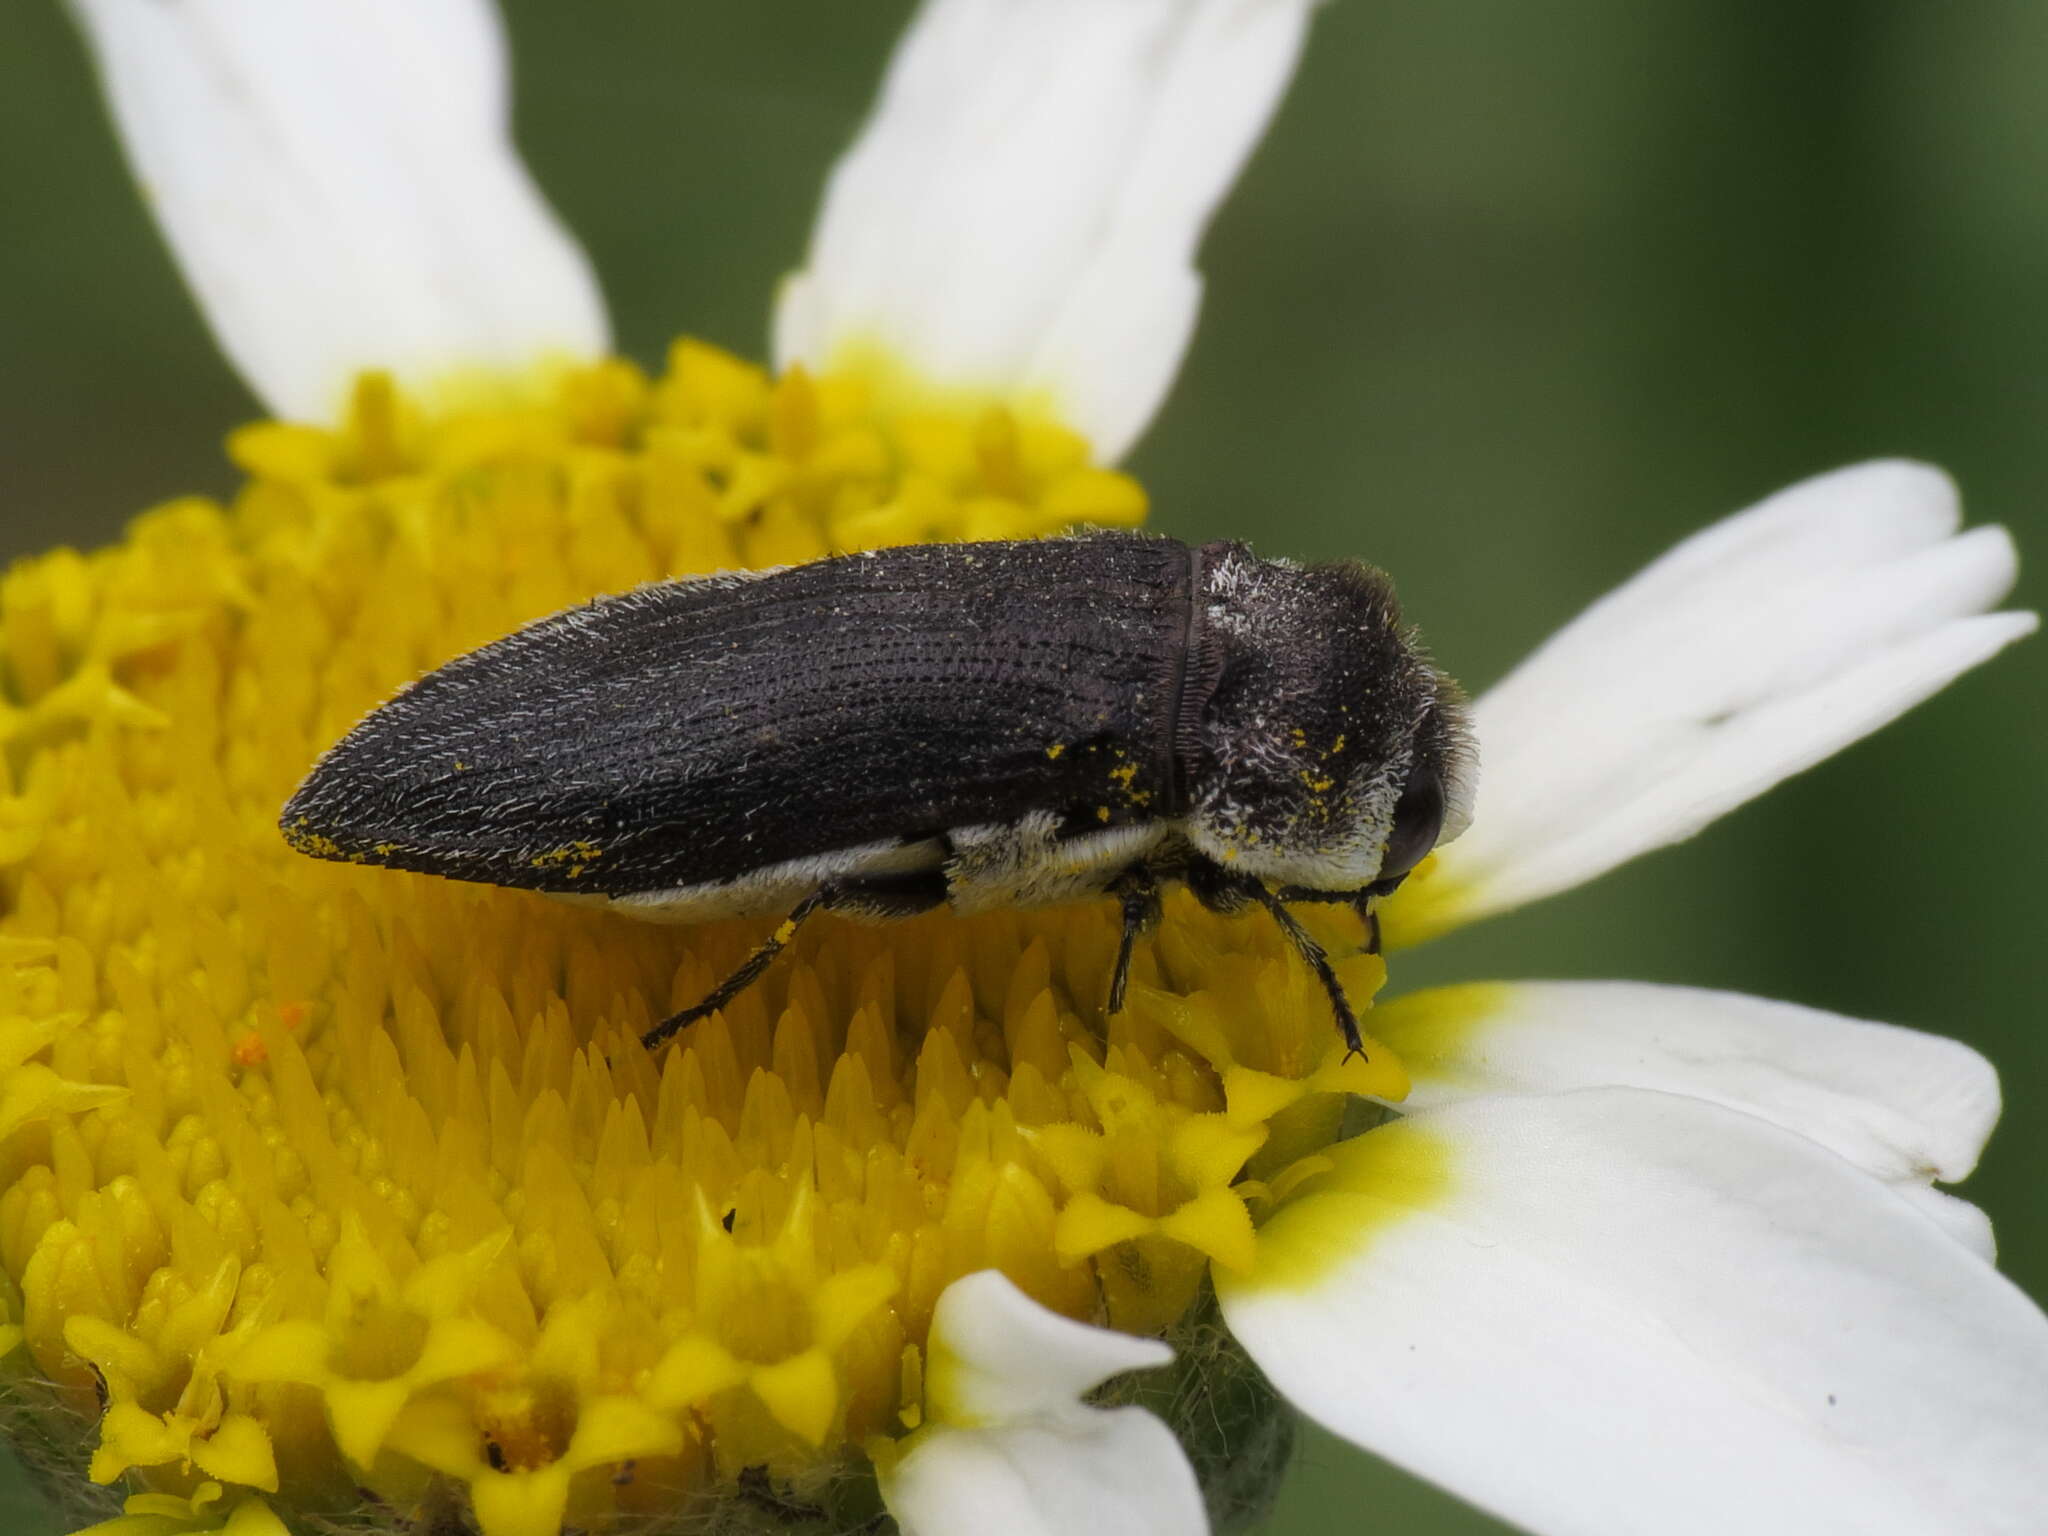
x=335, y=1196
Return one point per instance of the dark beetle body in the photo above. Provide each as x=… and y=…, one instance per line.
x=695, y=731
x=967, y=724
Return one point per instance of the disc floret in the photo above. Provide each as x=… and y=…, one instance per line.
x=325, y=1180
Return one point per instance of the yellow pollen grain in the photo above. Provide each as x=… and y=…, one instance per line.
x=577, y=855
x=324, y=1178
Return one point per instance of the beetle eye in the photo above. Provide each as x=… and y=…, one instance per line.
x=1418, y=818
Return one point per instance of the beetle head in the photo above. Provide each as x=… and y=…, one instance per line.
x=1322, y=747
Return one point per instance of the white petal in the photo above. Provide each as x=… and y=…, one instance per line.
x=1013, y=1451
x=339, y=187
x=1615, y=1311
x=1020, y=214
x=1125, y=1473
x=1958, y=1219
x=996, y=1355
x=1751, y=651
x=1898, y=1103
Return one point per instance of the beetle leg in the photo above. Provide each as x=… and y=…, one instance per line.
x=1217, y=889
x=884, y=898
x=877, y=898
x=1138, y=889
x=749, y=972
x=1360, y=902
x=1220, y=891
x=1306, y=946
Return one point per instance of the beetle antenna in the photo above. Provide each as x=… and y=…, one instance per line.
x=749, y=972
x=1318, y=961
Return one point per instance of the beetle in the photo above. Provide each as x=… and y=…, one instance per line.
x=973, y=726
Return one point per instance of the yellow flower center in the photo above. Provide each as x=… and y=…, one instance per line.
x=321, y=1178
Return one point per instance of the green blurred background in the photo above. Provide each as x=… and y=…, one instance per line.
x=1512, y=297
